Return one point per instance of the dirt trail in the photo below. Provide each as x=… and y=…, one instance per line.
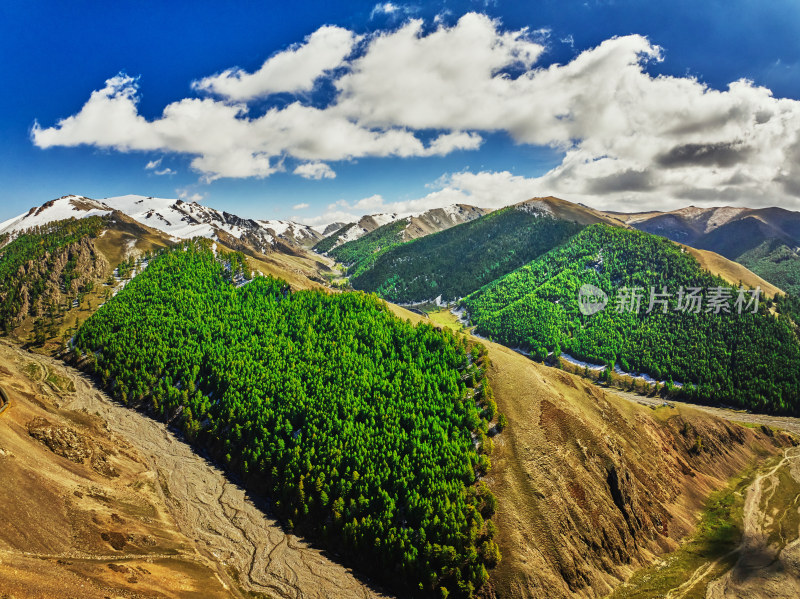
x=787, y=423
x=764, y=569
x=229, y=529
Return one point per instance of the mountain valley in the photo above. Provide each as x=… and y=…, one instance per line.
x=239, y=360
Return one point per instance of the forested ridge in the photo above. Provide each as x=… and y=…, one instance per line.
x=750, y=360
x=776, y=262
x=359, y=254
x=30, y=260
x=366, y=432
x=457, y=261
x=325, y=245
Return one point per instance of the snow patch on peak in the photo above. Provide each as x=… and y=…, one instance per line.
x=536, y=208
x=70, y=206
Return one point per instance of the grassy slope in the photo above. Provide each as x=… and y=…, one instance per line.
x=734, y=272
x=777, y=263
x=326, y=244
x=359, y=254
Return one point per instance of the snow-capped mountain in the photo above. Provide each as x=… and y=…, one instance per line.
x=414, y=225
x=176, y=218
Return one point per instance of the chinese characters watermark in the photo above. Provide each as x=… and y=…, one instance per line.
x=690, y=300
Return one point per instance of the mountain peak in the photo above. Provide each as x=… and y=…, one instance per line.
x=175, y=217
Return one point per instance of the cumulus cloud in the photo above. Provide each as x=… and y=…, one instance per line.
x=301, y=206
x=315, y=170
x=188, y=196
x=153, y=164
x=486, y=189
x=626, y=136
x=293, y=70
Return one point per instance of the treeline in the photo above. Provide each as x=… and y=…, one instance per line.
x=459, y=260
x=28, y=261
x=751, y=360
x=367, y=433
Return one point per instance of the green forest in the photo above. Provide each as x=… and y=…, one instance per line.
x=367, y=433
x=28, y=259
x=750, y=360
x=459, y=260
x=776, y=262
x=326, y=244
x=359, y=254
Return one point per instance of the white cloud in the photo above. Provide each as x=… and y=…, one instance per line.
x=372, y=203
x=346, y=211
x=385, y=8
x=626, y=136
x=293, y=70
x=485, y=189
x=451, y=78
x=315, y=170
x=328, y=217
x=153, y=164
x=301, y=206
x=187, y=196
x=165, y=171
x=392, y=11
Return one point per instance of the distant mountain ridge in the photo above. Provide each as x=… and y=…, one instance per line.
x=765, y=240
x=176, y=218
x=412, y=227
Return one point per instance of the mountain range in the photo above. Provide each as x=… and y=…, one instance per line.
x=765, y=240
x=420, y=451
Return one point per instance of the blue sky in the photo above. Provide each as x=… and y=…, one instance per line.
x=628, y=151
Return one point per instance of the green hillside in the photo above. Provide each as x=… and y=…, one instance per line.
x=775, y=262
x=325, y=245
x=749, y=360
x=459, y=260
x=359, y=254
x=361, y=428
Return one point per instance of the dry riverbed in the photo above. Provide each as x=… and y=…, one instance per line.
x=214, y=525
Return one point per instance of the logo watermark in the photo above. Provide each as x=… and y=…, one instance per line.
x=591, y=299
x=690, y=300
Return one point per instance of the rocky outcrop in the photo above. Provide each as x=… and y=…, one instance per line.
x=72, y=445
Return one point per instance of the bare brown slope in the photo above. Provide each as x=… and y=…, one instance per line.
x=82, y=512
x=733, y=272
x=574, y=212
x=168, y=524
x=727, y=230
x=591, y=486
